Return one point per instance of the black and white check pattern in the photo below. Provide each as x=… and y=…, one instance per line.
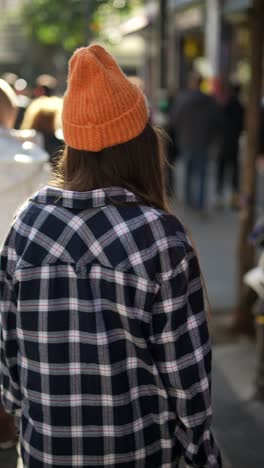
x=105, y=351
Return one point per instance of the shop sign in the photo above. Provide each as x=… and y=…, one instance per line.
x=192, y=47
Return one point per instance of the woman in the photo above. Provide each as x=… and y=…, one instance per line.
x=44, y=116
x=105, y=347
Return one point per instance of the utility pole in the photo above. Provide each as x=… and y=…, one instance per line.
x=163, y=65
x=163, y=44
x=243, y=321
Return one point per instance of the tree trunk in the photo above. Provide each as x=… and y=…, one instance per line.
x=243, y=321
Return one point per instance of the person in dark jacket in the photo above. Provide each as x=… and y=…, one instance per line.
x=197, y=122
x=105, y=350
x=8, y=113
x=228, y=157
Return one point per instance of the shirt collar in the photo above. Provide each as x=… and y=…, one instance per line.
x=83, y=200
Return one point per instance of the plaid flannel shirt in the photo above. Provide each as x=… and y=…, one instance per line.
x=105, y=351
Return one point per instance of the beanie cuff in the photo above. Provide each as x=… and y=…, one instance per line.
x=96, y=137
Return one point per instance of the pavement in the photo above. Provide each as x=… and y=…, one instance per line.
x=238, y=421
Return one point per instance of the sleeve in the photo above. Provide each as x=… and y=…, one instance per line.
x=182, y=352
x=9, y=375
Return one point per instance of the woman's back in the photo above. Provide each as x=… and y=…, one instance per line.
x=106, y=351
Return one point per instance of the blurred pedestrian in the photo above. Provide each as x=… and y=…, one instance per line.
x=10, y=146
x=21, y=160
x=112, y=337
x=45, y=85
x=197, y=120
x=228, y=156
x=20, y=86
x=23, y=98
x=44, y=116
x=10, y=78
x=8, y=112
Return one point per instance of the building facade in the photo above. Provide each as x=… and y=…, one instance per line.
x=12, y=39
x=211, y=36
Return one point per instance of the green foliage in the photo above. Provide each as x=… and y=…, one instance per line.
x=67, y=24
x=58, y=23
x=109, y=15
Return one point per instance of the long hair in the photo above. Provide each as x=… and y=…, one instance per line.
x=43, y=115
x=137, y=165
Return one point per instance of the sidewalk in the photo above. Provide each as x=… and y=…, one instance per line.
x=238, y=420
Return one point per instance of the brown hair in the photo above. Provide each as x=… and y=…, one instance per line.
x=137, y=165
x=43, y=115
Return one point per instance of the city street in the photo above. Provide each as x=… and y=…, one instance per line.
x=194, y=68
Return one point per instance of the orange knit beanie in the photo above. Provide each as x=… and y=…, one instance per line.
x=101, y=107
